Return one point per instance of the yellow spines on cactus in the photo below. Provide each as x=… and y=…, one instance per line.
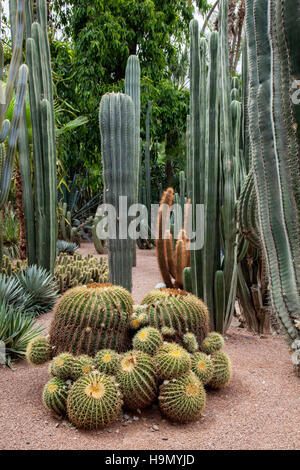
x=90, y=318
x=94, y=401
x=38, y=351
x=139, y=317
x=212, y=343
x=174, y=308
x=190, y=342
x=82, y=365
x=61, y=366
x=171, y=361
x=55, y=395
x=203, y=367
x=137, y=379
x=182, y=399
x=222, y=370
x=107, y=361
x=148, y=340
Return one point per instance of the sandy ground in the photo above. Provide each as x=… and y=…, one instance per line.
x=259, y=409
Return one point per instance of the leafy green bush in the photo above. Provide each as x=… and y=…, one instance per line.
x=16, y=331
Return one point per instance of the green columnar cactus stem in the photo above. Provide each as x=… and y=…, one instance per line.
x=272, y=66
x=44, y=145
x=116, y=119
x=147, y=164
x=211, y=247
x=133, y=89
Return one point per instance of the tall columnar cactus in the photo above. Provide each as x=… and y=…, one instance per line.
x=40, y=210
x=274, y=138
x=147, y=163
x=17, y=77
x=216, y=171
x=117, y=130
x=133, y=89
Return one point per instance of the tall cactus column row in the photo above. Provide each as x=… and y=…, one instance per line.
x=133, y=89
x=215, y=171
x=116, y=118
x=17, y=77
x=273, y=51
x=40, y=194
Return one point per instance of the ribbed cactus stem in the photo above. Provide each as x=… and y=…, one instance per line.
x=116, y=118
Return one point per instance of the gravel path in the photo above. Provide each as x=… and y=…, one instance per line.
x=258, y=410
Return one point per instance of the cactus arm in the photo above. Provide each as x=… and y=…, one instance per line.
x=4, y=131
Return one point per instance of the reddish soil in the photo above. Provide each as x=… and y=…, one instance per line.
x=259, y=409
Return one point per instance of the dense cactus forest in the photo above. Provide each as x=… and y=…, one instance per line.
x=149, y=225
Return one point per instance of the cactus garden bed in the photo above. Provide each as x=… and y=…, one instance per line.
x=247, y=414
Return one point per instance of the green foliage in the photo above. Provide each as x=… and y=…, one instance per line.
x=55, y=395
x=16, y=331
x=38, y=351
x=94, y=401
x=66, y=247
x=137, y=379
x=182, y=399
x=40, y=287
x=171, y=361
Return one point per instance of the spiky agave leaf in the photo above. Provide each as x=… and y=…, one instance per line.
x=11, y=291
x=41, y=287
x=66, y=247
x=16, y=331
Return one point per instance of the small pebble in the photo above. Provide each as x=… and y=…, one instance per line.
x=126, y=416
x=117, y=431
x=135, y=418
x=165, y=438
x=109, y=430
x=57, y=425
x=155, y=427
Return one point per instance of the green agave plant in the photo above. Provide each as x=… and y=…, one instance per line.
x=16, y=331
x=41, y=288
x=11, y=291
x=65, y=247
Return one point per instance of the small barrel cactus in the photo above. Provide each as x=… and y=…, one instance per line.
x=107, y=361
x=212, y=343
x=222, y=370
x=190, y=342
x=171, y=361
x=94, y=401
x=137, y=379
x=148, y=340
x=82, y=365
x=177, y=309
x=138, y=318
x=38, y=351
x=61, y=366
x=203, y=367
x=182, y=399
x=55, y=395
x=92, y=317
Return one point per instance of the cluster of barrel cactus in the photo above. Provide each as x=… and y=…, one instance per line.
x=76, y=270
x=94, y=371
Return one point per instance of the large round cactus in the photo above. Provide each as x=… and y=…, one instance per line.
x=92, y=317
x=179, y=310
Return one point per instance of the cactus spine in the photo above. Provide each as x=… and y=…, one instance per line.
x=275, y=156
x=118, y=144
